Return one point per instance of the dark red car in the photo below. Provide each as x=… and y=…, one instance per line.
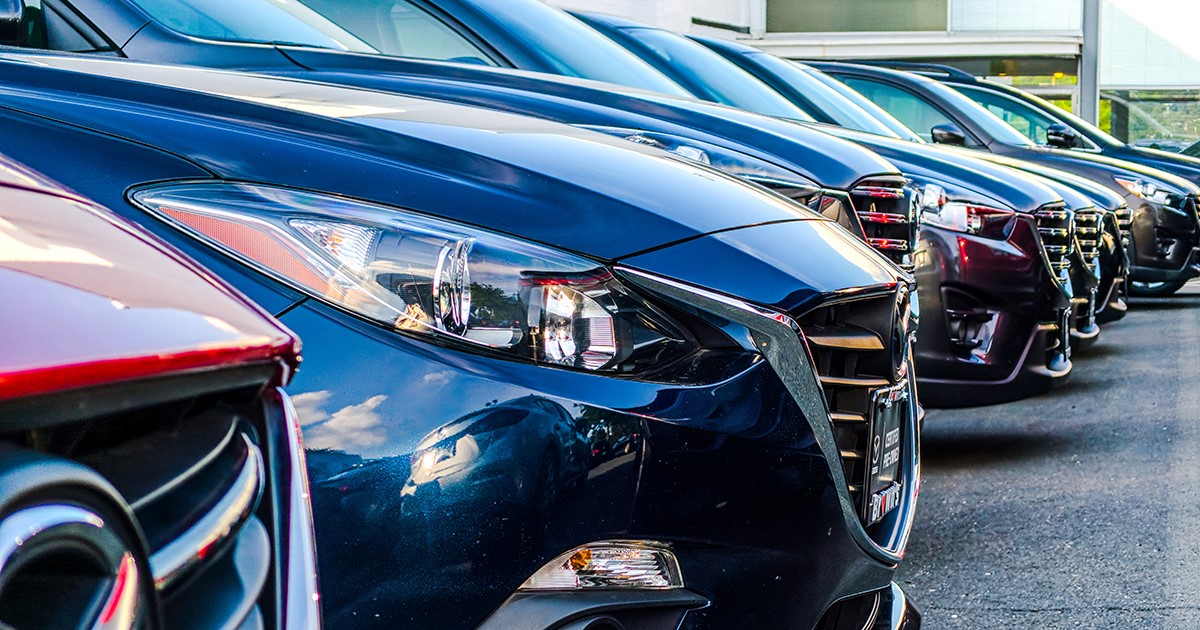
x=151, y=474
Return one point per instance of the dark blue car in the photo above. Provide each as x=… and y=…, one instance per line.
x=687, y=373
x=812, y=168
x=1024, y=304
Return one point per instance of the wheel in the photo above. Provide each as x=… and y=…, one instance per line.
x=1155, y=289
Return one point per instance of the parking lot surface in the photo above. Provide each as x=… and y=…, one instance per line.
x=1080, y=508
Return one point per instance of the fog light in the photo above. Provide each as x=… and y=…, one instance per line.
x=610, y=564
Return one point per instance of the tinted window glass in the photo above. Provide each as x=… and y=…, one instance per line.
x=259, y=21
x=722, y=79
x=833, y=104
x=914, y=112
x=396, y=27
x=51, y=26
x=1025, y=119
x=993, y=126
x=574, y=48
x=867, y=105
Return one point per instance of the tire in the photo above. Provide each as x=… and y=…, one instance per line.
x=1155, y=289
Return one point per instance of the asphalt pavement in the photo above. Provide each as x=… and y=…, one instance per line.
x=1076, y=509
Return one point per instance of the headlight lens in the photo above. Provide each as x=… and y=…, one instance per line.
x=428, y=276
x=971, y=218
x=1145, y=190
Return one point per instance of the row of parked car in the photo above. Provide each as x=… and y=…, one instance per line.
x=603, y=326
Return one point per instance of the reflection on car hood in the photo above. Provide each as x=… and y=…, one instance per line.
x=559, y=185
x=1114, y=167
x=91, y=300
x=776, y=266
x=1184, y=166
x=1096, y=194
x=973, y=176
x=827, y=160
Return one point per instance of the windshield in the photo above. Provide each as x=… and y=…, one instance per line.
x=574, y=48
x=723, y=81
x=256, y=21
x=832, y=103
x=991, y=124
x=899, y=129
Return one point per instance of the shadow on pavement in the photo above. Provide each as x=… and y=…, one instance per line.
x=977, y=450
x=1179, y=303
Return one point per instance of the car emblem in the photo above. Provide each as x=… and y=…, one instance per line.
x=84, y=539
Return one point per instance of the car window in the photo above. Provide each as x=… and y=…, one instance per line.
x=914, y=112
x=831, y=102
x=573, y=48
x=866, y=104
x=256, y=21
x=51, y=26
x=721, y=79
x=399, y=28
x=1029, y=121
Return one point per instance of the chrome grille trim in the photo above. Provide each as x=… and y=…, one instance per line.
x=1088, y=225
x=1056, y=226
x=217, y=527
x=887, y=209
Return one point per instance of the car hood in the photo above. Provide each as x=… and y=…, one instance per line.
x=145, y=311
x=775, y=266
x=1096, y=194
x=555, y=184
x=1102, y=169
x=1184, y=166
x=965, y=177
x=829, y=161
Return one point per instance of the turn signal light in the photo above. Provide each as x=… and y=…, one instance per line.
x=616, y=564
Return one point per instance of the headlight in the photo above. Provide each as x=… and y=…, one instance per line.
x=428, y=277
x=971, y=218
x=1145, y=190
x=739, y=164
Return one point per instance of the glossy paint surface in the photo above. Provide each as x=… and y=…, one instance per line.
x=560, y=98
x=403, y=151
x=1008, y=279
x=1162, y=238
x=429, y=462
x=93, y=300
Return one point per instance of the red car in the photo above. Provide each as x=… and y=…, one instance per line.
x=151, y=472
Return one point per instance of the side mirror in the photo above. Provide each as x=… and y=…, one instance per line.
x=12, y=22
x=948, y=134
x=1062, y=136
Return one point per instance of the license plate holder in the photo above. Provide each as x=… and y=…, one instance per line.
x=889, y=407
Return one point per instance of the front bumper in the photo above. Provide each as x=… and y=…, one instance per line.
x=1114, y=273
x=742, y=478
x=1164, y=241
x=885, y=609
x=995, y=323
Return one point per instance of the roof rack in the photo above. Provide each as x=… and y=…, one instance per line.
x=921, y=68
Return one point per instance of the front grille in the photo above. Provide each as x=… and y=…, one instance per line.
x=881, y=211
x=1056, y=226
x=831, y=205
x=1089, y=225
x=193, y=474
x=854, y=351
x=1124, y=217
x=887, y=210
